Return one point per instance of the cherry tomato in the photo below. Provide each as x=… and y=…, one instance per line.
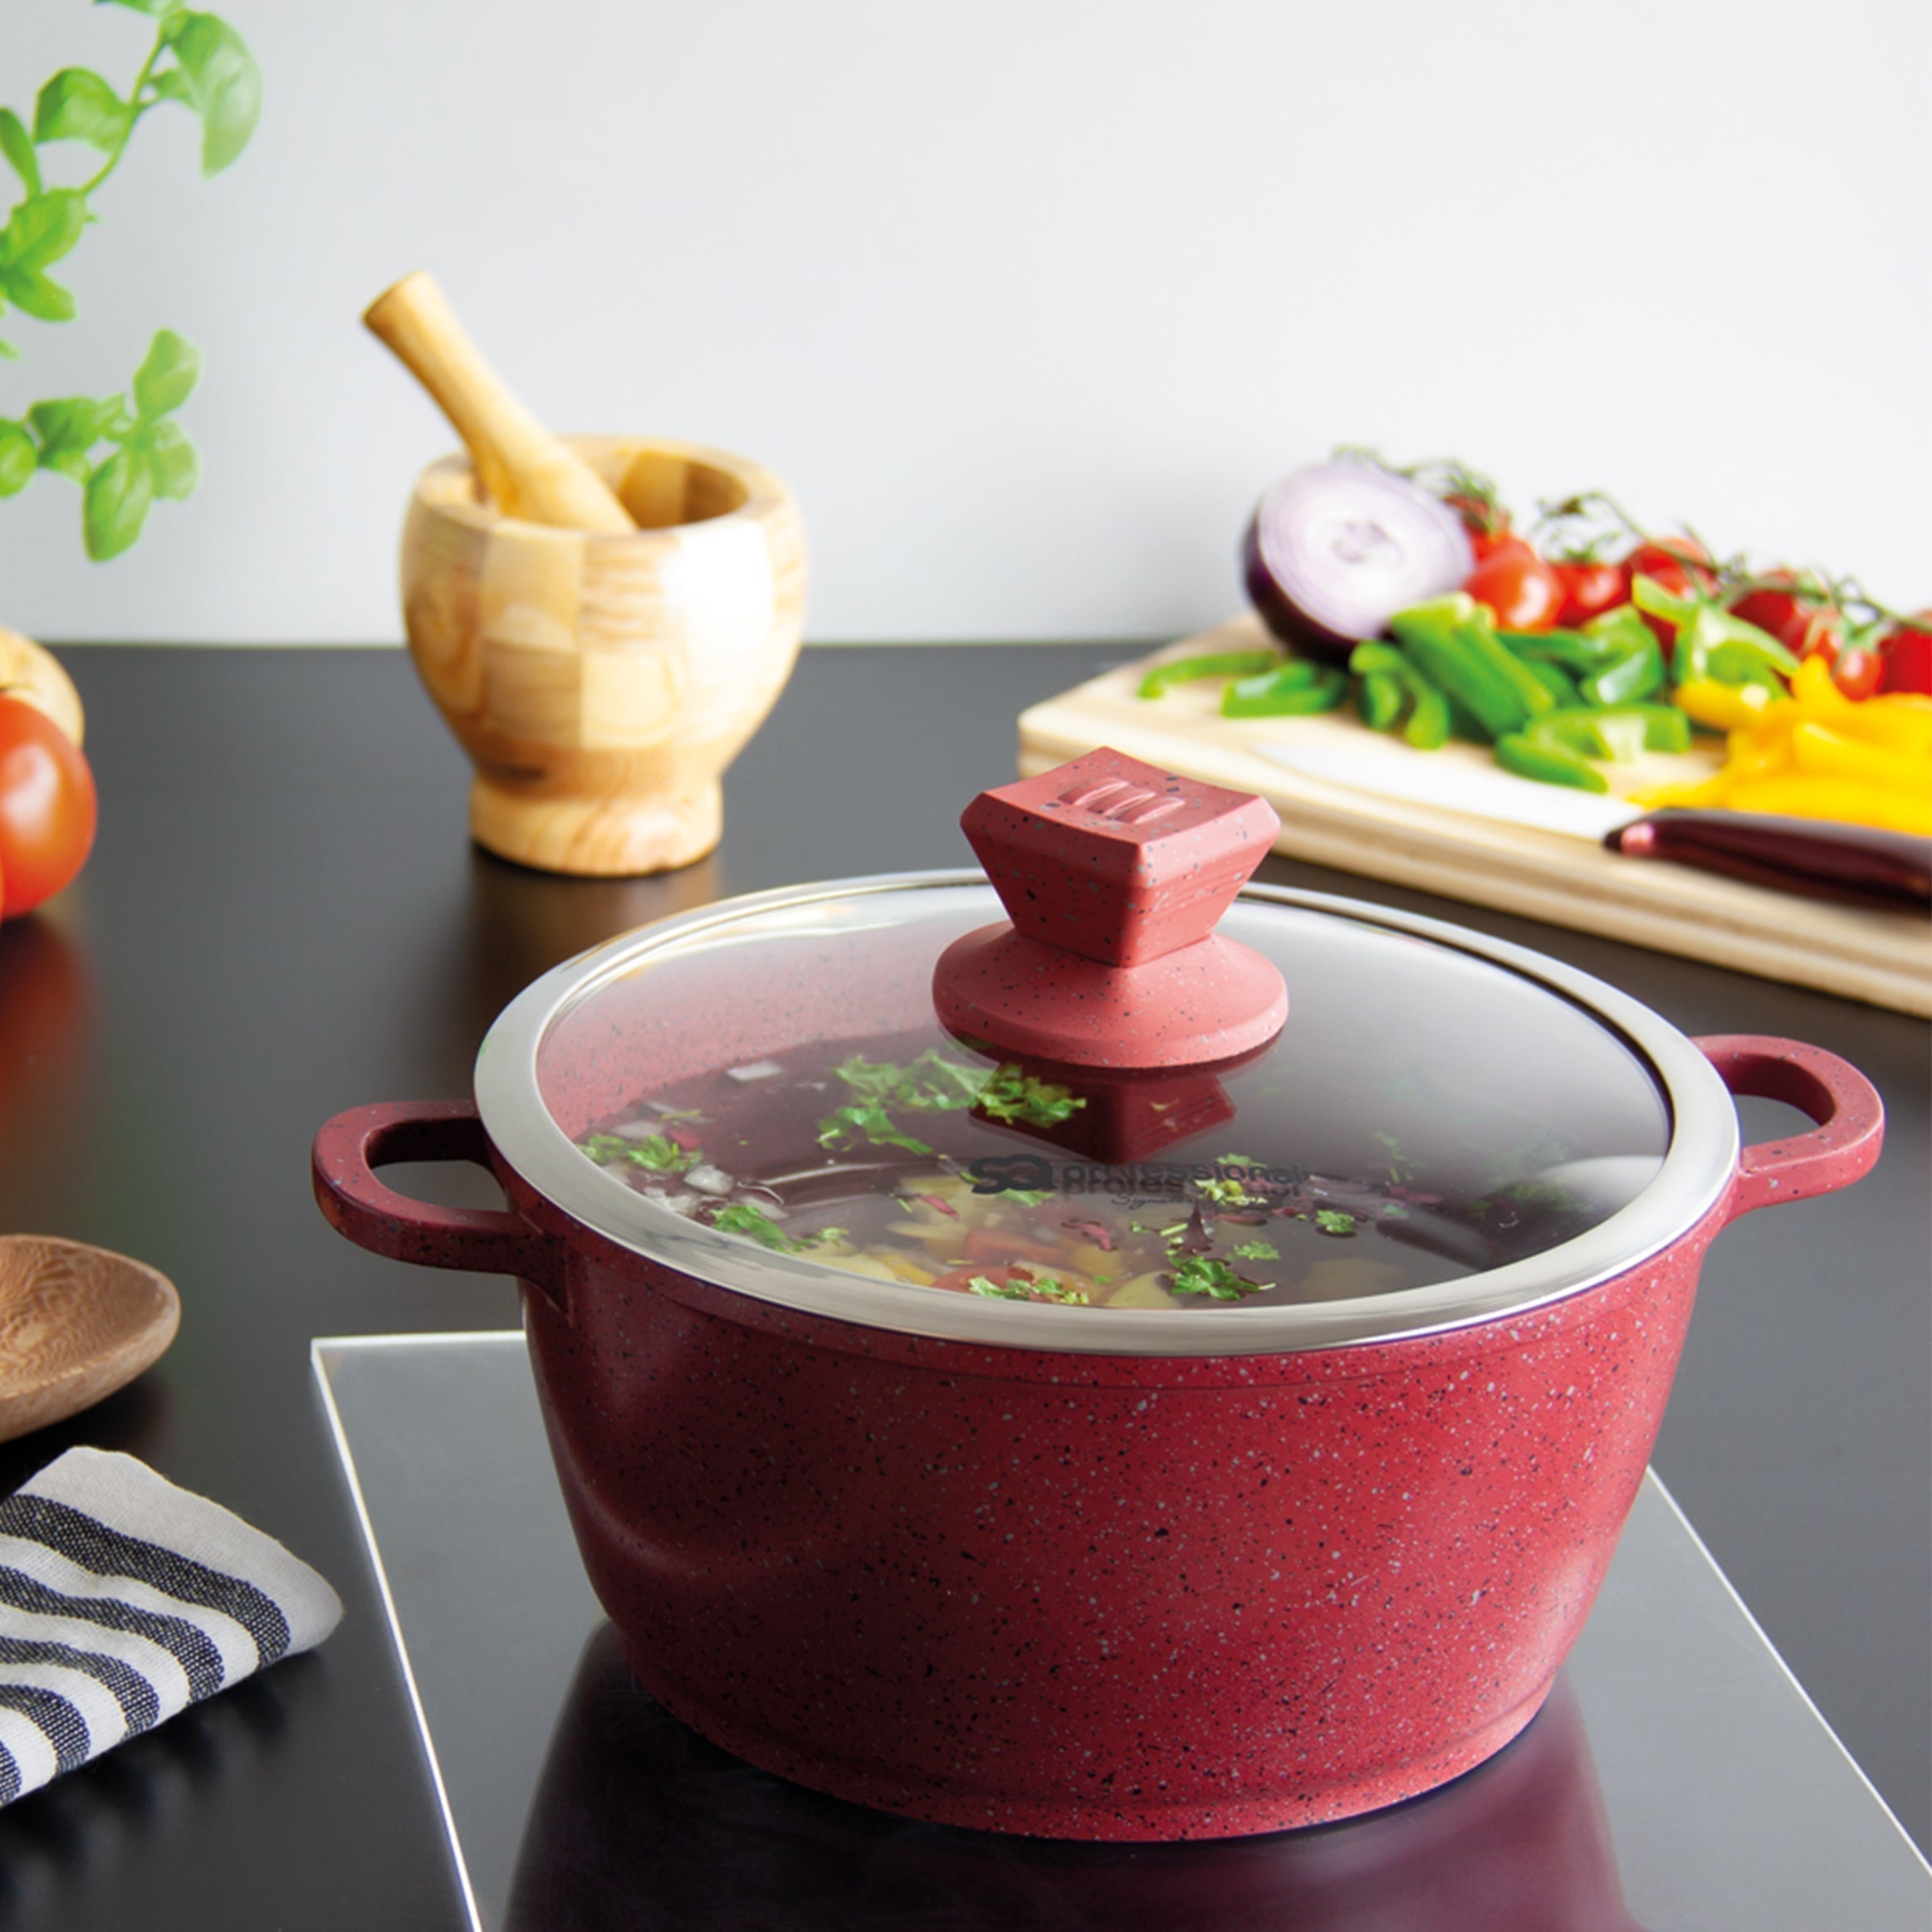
x=1676, y=562
x=46, y=807
x=1806, y=626
x=1483, y=544
x=1589, y=588
x=1906, y=655
x=1857, y=671
x=1485, y=522
x=1520, y=589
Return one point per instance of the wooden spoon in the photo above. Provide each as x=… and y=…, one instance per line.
x=528, y=473
x=76, y=1322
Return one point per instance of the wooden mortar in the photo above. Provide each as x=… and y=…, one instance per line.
x=603, y=622
x=601, y=681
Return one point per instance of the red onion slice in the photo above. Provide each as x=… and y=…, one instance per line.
x=1333, y=551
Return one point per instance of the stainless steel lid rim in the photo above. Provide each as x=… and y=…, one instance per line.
x=1696, y=1170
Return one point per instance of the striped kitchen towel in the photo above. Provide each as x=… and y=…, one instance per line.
x=124, y=1599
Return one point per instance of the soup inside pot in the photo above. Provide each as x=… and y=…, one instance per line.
x=918, y=1160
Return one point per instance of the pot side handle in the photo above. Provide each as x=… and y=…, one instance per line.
x=1851, y=1117
x=478, y=1240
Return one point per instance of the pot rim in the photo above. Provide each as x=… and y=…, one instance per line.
x=1697, y=1169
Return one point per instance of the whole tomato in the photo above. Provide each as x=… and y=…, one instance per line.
x=1590, y=589
x=48, y=807
x=1905, y=655
x=1679, y=564
x=1520, y=589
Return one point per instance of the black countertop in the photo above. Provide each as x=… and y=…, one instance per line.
x=283, y=917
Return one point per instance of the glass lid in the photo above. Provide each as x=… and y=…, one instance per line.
x=766, y=1094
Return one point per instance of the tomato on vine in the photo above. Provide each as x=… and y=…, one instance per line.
x=1680, y=563
x=1906, y=651
x=1522, y=590
x=1589, y=588
x=1858, y=672
x=1796, y=611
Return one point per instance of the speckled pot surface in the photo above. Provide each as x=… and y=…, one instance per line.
x=1091, y=1596
x=1146, y=1576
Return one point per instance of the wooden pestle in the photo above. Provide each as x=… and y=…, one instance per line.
x=528, y=473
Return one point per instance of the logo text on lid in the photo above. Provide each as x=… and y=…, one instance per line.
x=1115, y=799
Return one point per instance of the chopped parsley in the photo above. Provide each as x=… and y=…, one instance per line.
x=740, y=1217
x=1207, y=1275
x=1400, y=1168
x=1333, y=1220
x=1001, y=1290
x=1011, y=1095
x=931, y=1083
x=1224, y=1193
x=1022, y=1287
x=1257, y=1252
x=658, y=1152
x=934, y=1084
x=843, y=1127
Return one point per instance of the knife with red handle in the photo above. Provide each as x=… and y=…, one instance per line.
x=1823, y=858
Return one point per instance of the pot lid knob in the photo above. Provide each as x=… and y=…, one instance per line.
x=1114, y=873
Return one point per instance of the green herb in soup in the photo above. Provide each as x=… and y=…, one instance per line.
x=914, y=1164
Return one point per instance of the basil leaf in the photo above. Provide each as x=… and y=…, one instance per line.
x=224, y=87
x=167, y=376
x=67, y=430
x=16, y=145
x=78, y=106
x=118, y=494
x=44, y=227
x=18, y=458
x=37, y=294
x=173, y=467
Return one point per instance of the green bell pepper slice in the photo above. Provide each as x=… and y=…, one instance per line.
x=1295, y=689
x=1453, y=640
x=1555, y=680
x=1427, y=723
x=1163, y=678
x=1379, y=697
x=1704, y=630
x=1549, y=764
x=1618, y=732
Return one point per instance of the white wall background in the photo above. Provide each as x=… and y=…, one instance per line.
x=1027, y=298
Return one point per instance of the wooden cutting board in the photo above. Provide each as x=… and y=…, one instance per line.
x=1881, y=957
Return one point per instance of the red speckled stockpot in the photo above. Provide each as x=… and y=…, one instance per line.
x=1109, y=1585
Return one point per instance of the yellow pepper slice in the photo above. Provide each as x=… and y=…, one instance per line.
x=1813, y=794
x=1724, y=707
x=1886, y=721
x=1811, y=687
x=1817, y=747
